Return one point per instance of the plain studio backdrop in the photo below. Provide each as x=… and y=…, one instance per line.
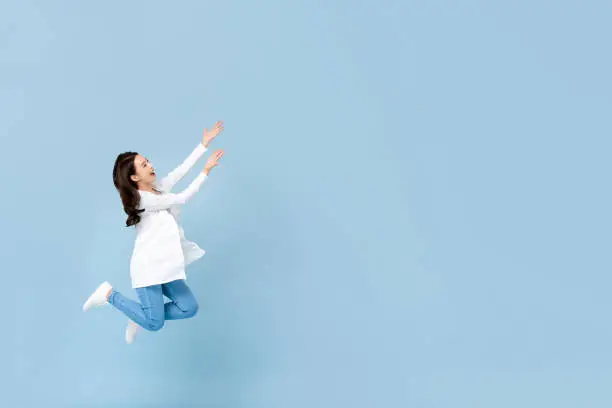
x=412, y=209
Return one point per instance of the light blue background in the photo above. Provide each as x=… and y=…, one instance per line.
x=412, y=209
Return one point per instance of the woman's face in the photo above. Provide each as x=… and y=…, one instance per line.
x=145, y=173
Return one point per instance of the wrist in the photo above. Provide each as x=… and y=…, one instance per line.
x=206, y=171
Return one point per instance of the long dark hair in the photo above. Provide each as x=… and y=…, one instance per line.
x=128, y=189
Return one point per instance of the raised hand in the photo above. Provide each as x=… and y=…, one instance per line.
x=213, y=161
x=209, y=135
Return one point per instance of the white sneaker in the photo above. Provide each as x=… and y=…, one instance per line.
x=98, y=298
x=131, y=331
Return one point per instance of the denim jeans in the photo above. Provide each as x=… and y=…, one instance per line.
x=152, y=312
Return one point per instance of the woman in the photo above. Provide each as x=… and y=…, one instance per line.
x=161, y=252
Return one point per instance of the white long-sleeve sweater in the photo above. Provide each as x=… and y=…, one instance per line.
x=161, y=251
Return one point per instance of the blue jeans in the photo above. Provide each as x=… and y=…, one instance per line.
x=152, y=312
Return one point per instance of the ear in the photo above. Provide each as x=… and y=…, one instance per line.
x=135, y=178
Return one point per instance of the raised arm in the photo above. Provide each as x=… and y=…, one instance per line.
x=177, y=174
x=157, y=202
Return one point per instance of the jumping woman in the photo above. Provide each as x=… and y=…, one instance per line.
x=161, y=252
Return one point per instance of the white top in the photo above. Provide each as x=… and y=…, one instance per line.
x=161, y=251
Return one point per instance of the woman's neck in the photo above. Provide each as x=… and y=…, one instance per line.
x=146, y=187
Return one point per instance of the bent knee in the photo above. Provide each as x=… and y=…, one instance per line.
x=192, y=310
x=154, y=325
